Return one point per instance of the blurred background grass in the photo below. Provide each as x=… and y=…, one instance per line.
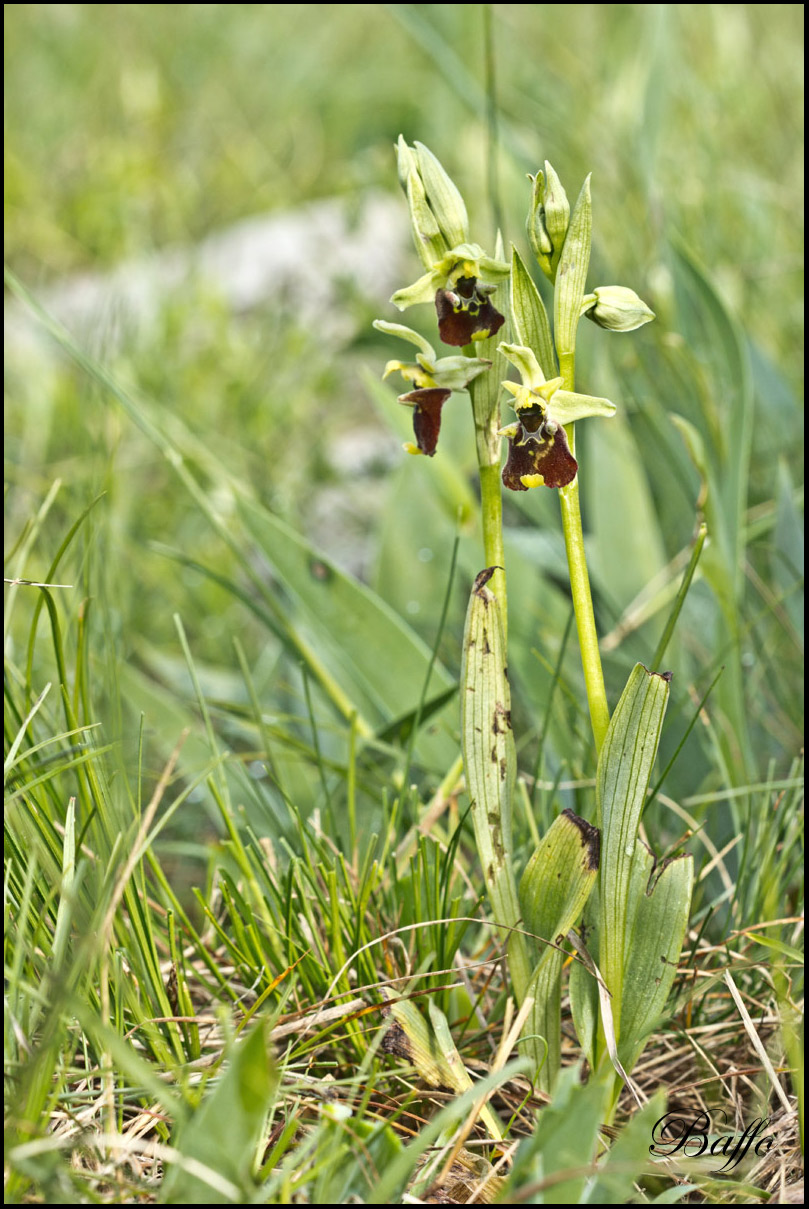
x=131, y=129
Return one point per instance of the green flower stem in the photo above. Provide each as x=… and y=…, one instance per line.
x=580, y=584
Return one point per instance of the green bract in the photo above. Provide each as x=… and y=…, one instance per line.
x=571, y=276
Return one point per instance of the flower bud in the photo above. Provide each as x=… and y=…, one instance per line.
x=427, y=235
x=437, y=211
x=535, y=227
x=557, y=213
x=548, y=220
x=444, y=198
x=617, y=308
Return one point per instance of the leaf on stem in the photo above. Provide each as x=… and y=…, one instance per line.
x=571, y=275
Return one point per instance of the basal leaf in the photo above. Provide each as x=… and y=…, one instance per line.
x=624, y=768
x=657, y=940
x=224, y=1131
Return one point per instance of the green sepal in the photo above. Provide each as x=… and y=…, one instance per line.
x=472, y=256
x=493, y=270
x=406, y=161
x=406, y=333
x=456, y=373
x=430, y=242
x=462, y=260
x=616, y=308
x=535, y=228
x=423, y=290
x=566, y=406
x=525, y=361
x=448, y=373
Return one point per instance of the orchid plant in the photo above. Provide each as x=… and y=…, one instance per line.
x=636, y=912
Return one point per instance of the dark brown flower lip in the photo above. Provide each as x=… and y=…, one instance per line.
x=427, y=403
x=544, y=453
x=466, y=313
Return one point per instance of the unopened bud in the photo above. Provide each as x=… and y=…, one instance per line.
x=437, y=211
x=535, y=227
x=617, y=308
x=557, y=213
x=444, y=198
x=548, y=220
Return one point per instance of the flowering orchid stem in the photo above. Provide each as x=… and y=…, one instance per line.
x=580, y=585
x=583, y=606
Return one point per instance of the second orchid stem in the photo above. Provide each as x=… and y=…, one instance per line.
x=580, y=586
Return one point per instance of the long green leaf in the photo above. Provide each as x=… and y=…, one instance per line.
x=661, y=919
x=554, y=888
x=490, y=763
x=624, y=768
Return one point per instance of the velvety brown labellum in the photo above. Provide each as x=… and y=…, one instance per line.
x=427, y=402
x=542, y=454
x=466, y=312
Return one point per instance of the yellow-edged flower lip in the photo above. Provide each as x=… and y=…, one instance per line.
x=538, y=458
x=539, y=453
x=466, y=313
